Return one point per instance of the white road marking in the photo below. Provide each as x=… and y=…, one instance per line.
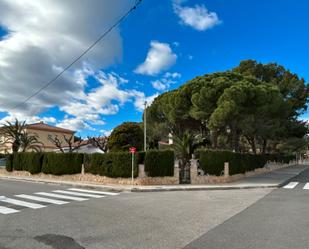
x=93, y=191
x=42, y=199
x=21, y=203
x=291, y=185
x=62, y=196
x=6, y=210
x=306, y=186
x=78, y=194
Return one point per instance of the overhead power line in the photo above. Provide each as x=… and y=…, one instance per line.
x=120, y=20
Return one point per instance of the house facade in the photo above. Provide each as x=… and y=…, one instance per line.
x=43, y=132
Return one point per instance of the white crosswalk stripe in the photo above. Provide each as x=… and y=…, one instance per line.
x=93, y=191
x=6, y=210
x=291, y=185
x=62, y=196
x=58, y=197
x=42, y=199
x=78, y=194
x=306, y=186
x=21, y=203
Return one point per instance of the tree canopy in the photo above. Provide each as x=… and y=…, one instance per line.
x=252, y=107
x=124, y=136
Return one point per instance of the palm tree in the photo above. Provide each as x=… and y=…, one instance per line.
x=184, y=148
x=30, y=142
x=15, y=134
x=12, y=132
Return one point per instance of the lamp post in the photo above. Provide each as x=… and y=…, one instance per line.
x=145, y=123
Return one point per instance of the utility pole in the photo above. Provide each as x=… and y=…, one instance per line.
x=145, y=121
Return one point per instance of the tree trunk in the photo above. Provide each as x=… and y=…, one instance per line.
x=264, y=146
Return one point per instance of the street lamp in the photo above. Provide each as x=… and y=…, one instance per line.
x=145, y=116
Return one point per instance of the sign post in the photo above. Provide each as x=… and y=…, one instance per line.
x=133, y=151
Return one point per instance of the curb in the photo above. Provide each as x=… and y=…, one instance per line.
x=154, y=189
x=64, y=183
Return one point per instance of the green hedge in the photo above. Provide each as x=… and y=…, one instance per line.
x=9, y=162
x=280, y=158
x=2, y=155
x=113, y=164
x=62, y=163
x=159, y=163
x=31, y=162
x=141, y=157
x=212, y=162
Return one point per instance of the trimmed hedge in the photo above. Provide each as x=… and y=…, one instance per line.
x=31, y=162
x=141, y=157
x=159, y=163
x=113, y=164
x=212, y=162
x=62, y=163
x=9, y=162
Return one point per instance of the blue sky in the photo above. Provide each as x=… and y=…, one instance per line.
x=181, y=39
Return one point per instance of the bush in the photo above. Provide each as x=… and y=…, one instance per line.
x=113, y=164
x=9, y=162
x=141, y=157
x=62, y=163
x=280, y=158
x=212, y=162
x=159, y=163
x=18, y=161
x=2, y=155
x=31, y=162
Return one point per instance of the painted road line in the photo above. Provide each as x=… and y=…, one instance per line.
x=93, y=191
x=291, y=185
x=78, y=194
x=42, y=199
x=6, y=210
x=21, y=203
x=62, y=196
x=306, y=186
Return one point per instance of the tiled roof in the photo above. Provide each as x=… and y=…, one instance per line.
x=45, y=127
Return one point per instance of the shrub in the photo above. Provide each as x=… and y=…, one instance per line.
x=212, y=162
x=28, y=161
x=18, y=161
x=9, y=162
x=2, y=155
x=141, y=157
x=113, y=164
x=62, y=163
x=159, y=163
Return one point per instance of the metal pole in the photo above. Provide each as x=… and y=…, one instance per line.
x=132, y=170
x=145, y=123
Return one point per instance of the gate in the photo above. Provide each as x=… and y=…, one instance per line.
x=184, y=175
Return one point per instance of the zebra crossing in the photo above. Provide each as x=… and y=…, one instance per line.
x=42, y=199
x=293, y=185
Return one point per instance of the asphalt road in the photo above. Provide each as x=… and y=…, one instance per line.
x=280, y=220
x=128, y=220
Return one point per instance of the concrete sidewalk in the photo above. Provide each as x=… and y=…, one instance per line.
x=274, y=179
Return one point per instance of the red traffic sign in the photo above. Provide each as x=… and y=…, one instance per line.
x=132, y=149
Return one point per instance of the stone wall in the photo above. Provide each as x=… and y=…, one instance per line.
x=144, y=180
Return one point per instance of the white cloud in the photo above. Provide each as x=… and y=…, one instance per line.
x=160, y=57
x=166, y=81
x=29, y=119
x=159, y=85
x=140, y=99
x=74, y=124
x=106, y=132
x=197, y=17
x=44, y=37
